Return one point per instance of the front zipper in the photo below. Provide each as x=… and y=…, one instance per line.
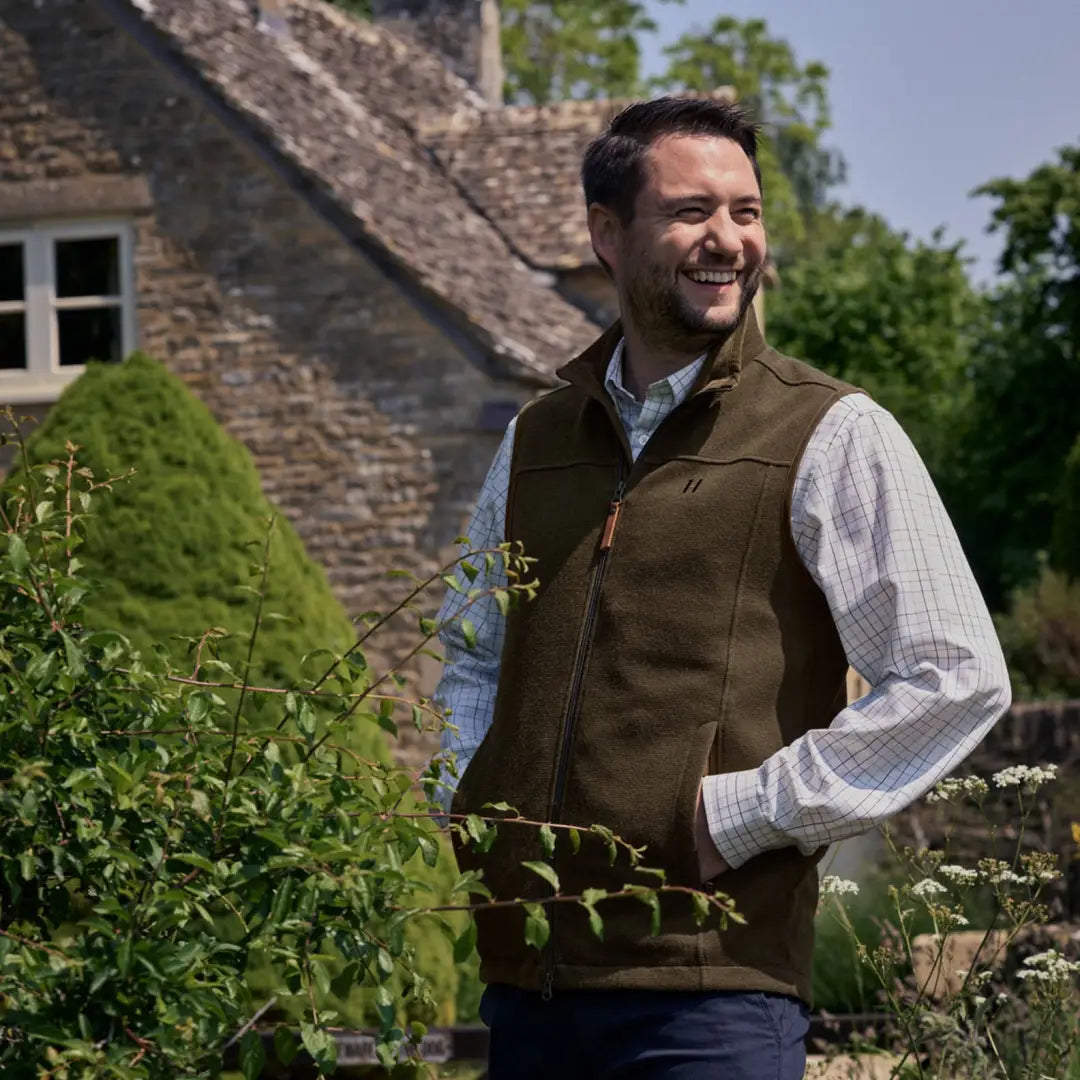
x=562, y=761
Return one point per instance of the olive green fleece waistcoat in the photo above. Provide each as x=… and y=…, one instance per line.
x=695, y=643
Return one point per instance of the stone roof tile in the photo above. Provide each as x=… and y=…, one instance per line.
x=338, y=101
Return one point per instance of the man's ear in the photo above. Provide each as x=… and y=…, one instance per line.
x=605, y=230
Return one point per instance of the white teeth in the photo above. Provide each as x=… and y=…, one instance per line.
x=711, y=277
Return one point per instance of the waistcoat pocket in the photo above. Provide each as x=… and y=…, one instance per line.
x=698, y=755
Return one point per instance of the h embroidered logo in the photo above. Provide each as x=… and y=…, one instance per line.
x=691, y=486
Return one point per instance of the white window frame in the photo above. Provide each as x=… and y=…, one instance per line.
x=43, y=379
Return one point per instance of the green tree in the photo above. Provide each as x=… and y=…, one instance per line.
x=1065, y=541
x=894, y=316
x=789, y=98
x=1024, y=418
x=561, y=49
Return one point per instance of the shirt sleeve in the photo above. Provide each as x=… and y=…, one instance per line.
x=872, y=531
x=466, y=691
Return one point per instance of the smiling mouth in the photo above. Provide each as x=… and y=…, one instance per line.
x=711, y=277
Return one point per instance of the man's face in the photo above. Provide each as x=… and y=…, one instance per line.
x=689, y=264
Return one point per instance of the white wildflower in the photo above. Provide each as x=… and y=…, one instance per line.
x=1008, y=877
x=957, y=787
x=1048, y=967
x=1025, y=776
x=928, y=888
x=958, y=875
x=836, y=886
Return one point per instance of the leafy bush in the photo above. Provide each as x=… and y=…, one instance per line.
x=1040, y=636
x=173, y=550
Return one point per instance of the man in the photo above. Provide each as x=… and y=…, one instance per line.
x=720, y=530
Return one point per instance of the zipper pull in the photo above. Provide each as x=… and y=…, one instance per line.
x=608, y=535
x=609, y=525
x=549, y=986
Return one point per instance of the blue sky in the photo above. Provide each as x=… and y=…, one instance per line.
x=930, y=98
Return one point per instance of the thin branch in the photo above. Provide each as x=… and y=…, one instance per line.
x=252, y=638
x=251, y=1023
x=721, y=901
x=36, y=945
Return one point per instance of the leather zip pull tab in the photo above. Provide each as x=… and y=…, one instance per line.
x=609, y=526
x=548, y=992
x=607, y=537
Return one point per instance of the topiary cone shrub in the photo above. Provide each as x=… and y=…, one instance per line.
x=173, y=546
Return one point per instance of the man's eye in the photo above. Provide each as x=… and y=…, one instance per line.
x=748, y=213
x=695, y=213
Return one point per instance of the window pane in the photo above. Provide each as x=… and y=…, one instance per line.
x=89, y=334
x=88, y=267
x=12, y=341
x=11, y=272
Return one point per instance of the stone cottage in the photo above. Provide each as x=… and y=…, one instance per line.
x=360, y=263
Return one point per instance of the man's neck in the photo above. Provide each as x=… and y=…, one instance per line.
x=645, y=362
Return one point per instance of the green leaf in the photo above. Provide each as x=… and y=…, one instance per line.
x=75, y=662
x=17, y=553
x=465, y=944
x=321, y=977
x=475, y=827
x=123, y=957
x=468, y=632
x=701, y=907
x=285, y=1048
x=544, y=871
x=27, y=864
x=537, y=928
x=596, y=924
x=470, y=571
x=502, y=807
x=651, y=901
x=193, y=859
x=502, y=599
x=252, y=1055
x=320, y=1044
x=385, y=963
x=575, y=841
x=305, y=717
x=342, y=983
x=429, y=848
x=547, y=840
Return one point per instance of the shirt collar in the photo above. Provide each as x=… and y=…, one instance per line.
x=679, y=383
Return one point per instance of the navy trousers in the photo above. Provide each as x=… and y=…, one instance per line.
x=644, y=1035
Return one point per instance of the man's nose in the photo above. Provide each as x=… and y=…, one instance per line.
x=723, y=236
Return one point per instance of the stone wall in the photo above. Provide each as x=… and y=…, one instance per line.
x=362, y=418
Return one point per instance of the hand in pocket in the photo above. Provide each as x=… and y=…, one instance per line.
x=710, y=862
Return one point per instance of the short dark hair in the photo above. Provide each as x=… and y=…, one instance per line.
x=613, y=172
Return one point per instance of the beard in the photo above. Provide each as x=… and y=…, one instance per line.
x=666, y=319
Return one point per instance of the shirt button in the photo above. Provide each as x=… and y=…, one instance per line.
x=641, y=440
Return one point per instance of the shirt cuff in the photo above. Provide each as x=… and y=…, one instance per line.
x=733, y=813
